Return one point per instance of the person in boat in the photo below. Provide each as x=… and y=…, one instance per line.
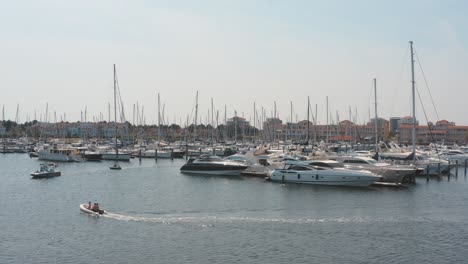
x=89, y=206
x=95, y=207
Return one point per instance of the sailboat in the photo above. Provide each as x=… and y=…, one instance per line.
x=116, y=165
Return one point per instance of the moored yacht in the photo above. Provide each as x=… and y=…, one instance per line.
x=454, y=155
x=389, y=173
x=56, y=154
x=213, y=165
x=306, y=174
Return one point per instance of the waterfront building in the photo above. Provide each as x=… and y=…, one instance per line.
x=442, y=131
x=394, y=124
x=274, y=129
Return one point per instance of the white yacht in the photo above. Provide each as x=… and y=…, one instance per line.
x=56, y=154
x=389, y=172
x=306, y=174
x=430, y=165
x=454, y=155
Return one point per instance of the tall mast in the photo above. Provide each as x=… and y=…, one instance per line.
x=274, y=124
x=255, y=122
x=288, y=130
x=212, y=122
x=196, y=117
x=225, y=124
x=326, y=138
x=159, y=119
x=235, y=126
x=315, y=124
x=414, y=101
x=308, y=119
x=375, y=121
x=115, y=115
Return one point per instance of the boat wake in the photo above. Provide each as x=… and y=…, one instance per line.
x=211, y=220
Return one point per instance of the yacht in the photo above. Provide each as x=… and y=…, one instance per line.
x=56, y=154
x=389, y=172
x=429, y=165
x=454, y=155
x=307, y=174
x=46, y=171
x=213, y=165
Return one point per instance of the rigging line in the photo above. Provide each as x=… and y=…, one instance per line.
x=427, y=85
x=428, y=126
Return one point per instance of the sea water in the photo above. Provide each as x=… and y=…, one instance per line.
x=158, y=215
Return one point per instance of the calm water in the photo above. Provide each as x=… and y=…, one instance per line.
x=161, y=216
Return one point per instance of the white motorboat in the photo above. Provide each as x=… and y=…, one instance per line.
x=436, y=166
x=46, y=171
x=84, y=208
x=213, y=165
x=454, y=155
x=389, y=172
x=306, y=174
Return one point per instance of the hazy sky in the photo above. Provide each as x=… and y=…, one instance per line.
x=236, y=52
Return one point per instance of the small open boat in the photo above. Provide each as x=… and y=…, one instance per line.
x=116, y=167
x=46, y=171
x=84, y=209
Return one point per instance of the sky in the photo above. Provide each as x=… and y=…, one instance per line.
x=238, y=52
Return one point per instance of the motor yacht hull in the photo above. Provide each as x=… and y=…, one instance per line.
x=330, y=177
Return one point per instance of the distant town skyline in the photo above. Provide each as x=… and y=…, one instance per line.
x=236, y=52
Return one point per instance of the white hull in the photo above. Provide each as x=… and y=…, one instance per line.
x=324, y=177
x=84, y=209
x=456, y=158
x=45, y=155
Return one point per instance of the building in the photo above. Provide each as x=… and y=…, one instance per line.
x=273, y=129
x=442, y=131
x=394, y=124
x=238, y=121
x=407, y=120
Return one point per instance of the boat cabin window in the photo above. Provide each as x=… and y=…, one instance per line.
x=299, y=168
x=327, y=165
x=210, y=158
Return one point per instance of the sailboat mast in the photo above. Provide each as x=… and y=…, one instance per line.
x=308, y=119
x=255, y=121
x=414, y=101
x=326, y=138
x=375, y=121
x=159, y=119
x=212, y=121
x=196, y=116
x=288, y=126
x=315, y=124
x=115, y=114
